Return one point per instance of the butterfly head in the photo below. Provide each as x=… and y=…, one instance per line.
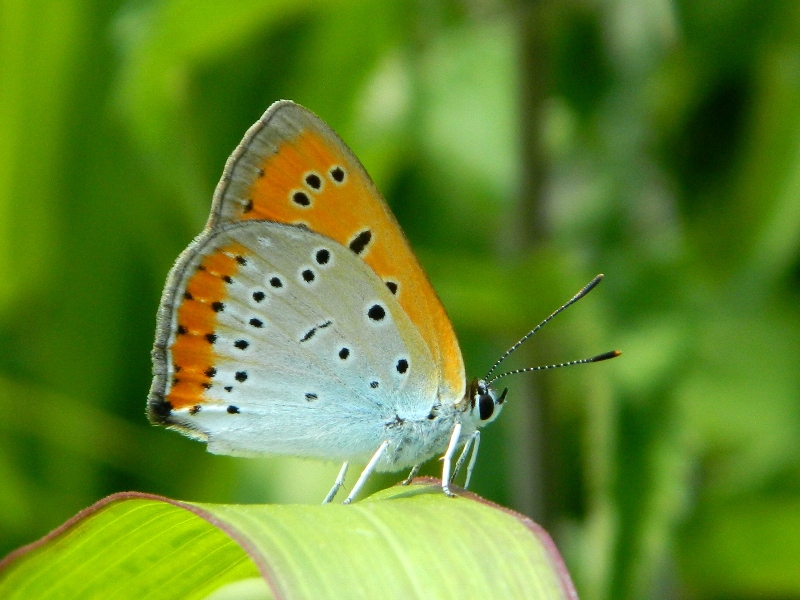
x=485, y=402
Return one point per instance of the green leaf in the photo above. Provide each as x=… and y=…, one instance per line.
x=403, y=542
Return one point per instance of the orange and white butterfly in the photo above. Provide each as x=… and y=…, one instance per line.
x=301, y=323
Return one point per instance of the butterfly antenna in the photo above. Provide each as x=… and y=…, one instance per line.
x=584, y=290
x=583, y=361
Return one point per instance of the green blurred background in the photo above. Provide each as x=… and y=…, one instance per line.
x=525, y=147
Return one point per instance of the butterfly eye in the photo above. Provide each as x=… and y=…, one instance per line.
x=486, y=407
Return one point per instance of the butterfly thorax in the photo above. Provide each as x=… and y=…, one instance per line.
x=416, y=440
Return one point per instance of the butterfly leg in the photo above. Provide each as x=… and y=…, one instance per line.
x=373, y=462
x=448, y=459
x=474, y=438
x=477, y=437
x=337, y=484
x=414, y=471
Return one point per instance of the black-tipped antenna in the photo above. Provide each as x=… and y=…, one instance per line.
x=583, y=361
x=584, y=290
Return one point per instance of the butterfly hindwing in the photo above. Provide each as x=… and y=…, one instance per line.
x=276, y=322
x=292, y=168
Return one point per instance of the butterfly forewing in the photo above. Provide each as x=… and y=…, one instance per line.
x=292, y=168
x=279, y=339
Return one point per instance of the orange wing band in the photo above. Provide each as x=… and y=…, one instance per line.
x=193, y=349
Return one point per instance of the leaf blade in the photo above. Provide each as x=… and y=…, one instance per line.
x=403, y=542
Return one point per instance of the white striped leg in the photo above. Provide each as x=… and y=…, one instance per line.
x=476, y=439
x=337, y=484
x=373, y=462
x=448, y=459
x=414, y=471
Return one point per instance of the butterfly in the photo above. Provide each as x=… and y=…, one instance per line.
x=299, y=322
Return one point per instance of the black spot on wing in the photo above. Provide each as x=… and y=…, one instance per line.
x=337, y=174
x=160, y=409
x=323, y=256
x=376, y=312
x=301, y=199
x=313, y=181
x=361, y=241
x=311, y=332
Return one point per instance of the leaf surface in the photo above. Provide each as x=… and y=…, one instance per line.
x=403, y=542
